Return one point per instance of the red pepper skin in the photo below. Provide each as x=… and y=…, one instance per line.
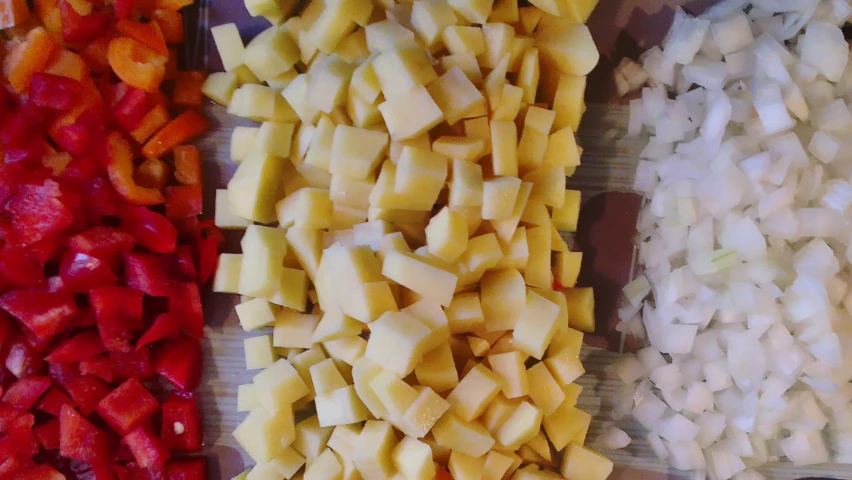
x=86, y=391
x=183, y=410
x=22, y=360
x=79, y=439
x=187, y=469
x=128, y=406
x=185, y=127
x=53, y=91
x=147, y=273
x=185, y=302
x=148, y=450
x=53, y=401
x=19, y=267
x=24, y=393
x=105, y=243
x=80, y=272
x=100, y=366
x=82, y=28
x=151, y=230
x=47, y=434
x=115, y=307
x=183, y=202
x=166, y=325
x=135, y=363
x=45, y=313
x=82, y=346
x=38, y=212
x=179, y=361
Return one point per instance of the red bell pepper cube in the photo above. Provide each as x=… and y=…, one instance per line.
x=102, y=242
x=20, y=268
x=147, y=273
x=39, y=472
x=81, y=169
x=181, y=426
x=38, y=212
x=99, y=366
x=132, y=471
x=82, y=28
x=22, y=360
x=85, y=318
x=183, y=202
x=185, y=302
x=187, y=468
x=101, y=200
x=87, y=391
x=133, y=364
x=132, y=108
x=54, y=91
x=80, y=272
x=179, y=361
x=114, y=308
x=24, y=127
x=21, y=432
x=182, y=264
x=148, y=450
x=80, y=347
x=187, y=90
x=123, y=8
x=165, y=326
x=53, y=401
x=13, y=463
x=207, y=250
x=152, y=230
x=182, y=129
x=45, y=313
x=63, y=373
x=79, y=439
x=128, y=406
x=47, y=434
x=24, y=393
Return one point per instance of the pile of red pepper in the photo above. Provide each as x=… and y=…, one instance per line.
x=102, y=254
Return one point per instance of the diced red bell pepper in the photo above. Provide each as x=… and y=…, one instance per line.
x=53, y=401
x=187, y=126
x=132, y=107
x=123, y=8
x=103, y=242
x=114, y=308
x=152, y=122
x=146, y=272
x=17, y=266
x=102, y=200
x=187, y=91
x=165, y=326
x=13, y=463
x=80, y=347
x=53, y=91
x=171, y=24
x=22, y=360
x=82, y=169
x=149, y=34
x=24, y=127
x=183, y=202
x=24, y=393
x=120, y=168
x=132, y=471
x=21, y=432
x=99, y=366
x=29, y=156
x=79, y=439
x=39, y=472
x=87, y=391
x=47, y=434
x=45, y=313
x=128, y=406
x=183, y=264
x=207, y=250
x=151, y=230
x=185, y=302
x=37, y=212
x=148, y=450
x=179, y=361
x=63, y=373
x=81, y=272
x=187, y=468
x=82, y=28
x=181, y=424
x=133, y=364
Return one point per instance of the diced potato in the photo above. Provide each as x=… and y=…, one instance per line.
x=565, y=218
x=432, y=315
x=243, y=140
x=306, y=208
x=229, y=45
x=467, y=62
x=260, y=103
x=505, y=229
x=581, y=463
x=274, y=138
x=499, y=197
x=411, y=114
x=413, y=459
x=535, y=213
x=431, y=282
x=541, y=445
x=254, y=188
x=307, y=247
x=395, y=395
x=397, y=341
x=581, y=308
x=348, y=349
x=288, y=463
x=510, y=103
x=356, y=152
x=429, y=18
x=464, y=40
x=387, y=35
x=335, y=325
x=529, y=18
x=537, y=273
x=470, y=438
x=329, y=83
x=545, y=392
x=322, y=141
x=265, y=434
x=344, y=440
x=258, y=352
x=498, y=41
x=271, y=53
x=455, y=95
x=220, y=87
x=227, y=279
x=565, y=367
x=504, y=148
x=503, y=299
x=529, y=75
x=498, y=412
x=437, y=370
x=567, y=268
x=293, y=329
x=567, y=340
x=272, y=10
x=568, y=47
x=465, y=467
x=536, y=325
x=568, y=102
x=292, y=290
x=368, y=301
x=402, y=69
x=521, y=426
x=422, y=414
x=466, y=187
x=548, y=185
x=471, y=396
x=279, y=385
x=364, y=371
x=468, y=149
x=496, y=466
x=362, y=113
x=373, y=455
x=303, y=362
x=483, y=253
x=264, y=249
x=324, y=467
x=311, y=438
x=247, y=398
x=510, y=366
x=364, y=83
x=446, y=235
x=516, y=251
x=326, y=378
x=565, y=424
x=495, y=82
x=340, y=407
x=256, y=313
x=332, y=26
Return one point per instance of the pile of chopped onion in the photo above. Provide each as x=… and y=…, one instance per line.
x=745, y=240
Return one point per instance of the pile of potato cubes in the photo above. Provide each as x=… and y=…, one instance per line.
x=402, y=200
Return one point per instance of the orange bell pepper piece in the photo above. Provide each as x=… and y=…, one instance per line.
x=171, y=65
x=188, y=88
x=152, y=173
x=149, y=34
x=66, y=63
x=174, y=5
x=135, y=64
x=48, y=12
x=13, y=12
x=153, y=121
x=28, y=57
x=171, y=24
x=120, y=169
x=182, y=129
x=187, y=165
x=95, y=55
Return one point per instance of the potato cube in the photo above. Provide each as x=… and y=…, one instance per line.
x=503, y=299
x=496, y=466
x=471, y=396
x=565, y=424
x=529, y=74
x=499, y=197
x=474, y=11
x=307, y=247
x=311, y=438
x=229, y=45
x=568, y=102
x=465, y=467
x=402, y=69
x=335, y=325
x=413, y=459
x=504, y=148
x=483, y=253
x=256, y=313
x=373, y=455
x=329, y=83
x=296, y=94
x=220, y=87
x=470, y=438
x=259, y=103
x=258, y=352
x=429, y=18
x=568, y=47
x=521, y=426
x=437, y=369
x=536, y=325
x=292, y=289
x=411, y=114
x=536, y=214
x=466, y=40
x=365, y=371
x=565, y=367
x=356, y=152
x=322, y=142
x=364, y=83
x=303, y=362
x=395, y=395
x=531, y=149
x=344, y=440
x=432, y=315
x=581, y=463
x=340, y=407
x=420, y=171
x=466, y=187
x=326, y=378
x=324, y=467
x=537, y=273
x=362, y=113
x=265, y=434
x=565, y=218
x=446, y=235
x=247, y=398
x=498, y=42
x=243, y=140
x=288, y=463
x=567, y=341
x=581, y=308
x=467, y=63
x=478, y=346
x=227, y=278
x=332, y=26
x=467, y=149
x=293, y=329
x=498, y=411
x=567, y=268
x=545, y=391
x=306, y=208
x=548, y=185
x=271, y=53
x=509, y=105
x=387, y=35
x=510, y=366
x=397, y=342
x=254, y=188
x=455, y=95
x=279, y=385
x=347, y=350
